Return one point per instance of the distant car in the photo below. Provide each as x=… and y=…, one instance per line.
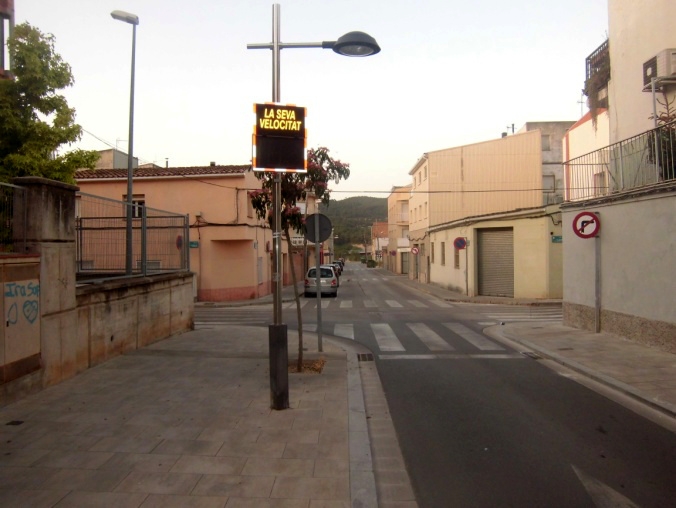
x=328, y=281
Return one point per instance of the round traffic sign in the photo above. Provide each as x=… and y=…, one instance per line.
x=586, y=224
x=414, y=250
x=460, y=243
x=325, y=227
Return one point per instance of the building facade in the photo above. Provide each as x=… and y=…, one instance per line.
x=398, y=244
x=498, y=199
x=230, y=248
x=618, y=276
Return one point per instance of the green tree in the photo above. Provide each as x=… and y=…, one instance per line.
x=321, y=170
x=34, y=119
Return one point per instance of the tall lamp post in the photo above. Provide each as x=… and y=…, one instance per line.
x=350, y=44
x=132, y=19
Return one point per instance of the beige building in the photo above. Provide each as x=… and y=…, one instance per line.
x=230, y=249
x=398, y=245
x=642, y=46
x=489, y=195
x=379, y=242
x=618, y=278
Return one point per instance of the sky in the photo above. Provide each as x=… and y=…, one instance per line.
x=450, y=73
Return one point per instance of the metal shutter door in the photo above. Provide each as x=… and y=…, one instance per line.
x=496, y=262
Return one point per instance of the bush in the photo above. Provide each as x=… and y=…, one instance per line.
x=370, y=263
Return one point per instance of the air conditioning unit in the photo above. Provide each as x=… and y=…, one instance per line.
x=662, y=65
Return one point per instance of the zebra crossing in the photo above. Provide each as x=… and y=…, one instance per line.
x=462, y=342
x=520, y=313
x=329, y=303
x=490, y=314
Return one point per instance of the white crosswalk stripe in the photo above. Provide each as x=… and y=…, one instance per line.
x=476, y=339
x=386, y=338
x=346, y=304
x=344, y=330
x=369, y=303
x=417, y=303
x=393, y=303
x=429, y=337
x=440, y=303
x=514, y=314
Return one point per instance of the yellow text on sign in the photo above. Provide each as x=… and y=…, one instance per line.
x=280, y=120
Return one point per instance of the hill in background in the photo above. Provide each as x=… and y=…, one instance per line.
x=351, y=219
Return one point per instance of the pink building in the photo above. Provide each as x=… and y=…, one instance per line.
x=230, y=248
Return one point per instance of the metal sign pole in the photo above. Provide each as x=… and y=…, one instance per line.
x=318, y=284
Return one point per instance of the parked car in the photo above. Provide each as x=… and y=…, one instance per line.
x=338, y=267
x=329, y=281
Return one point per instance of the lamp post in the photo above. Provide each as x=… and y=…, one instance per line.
x=132, y=19
x=350, y=44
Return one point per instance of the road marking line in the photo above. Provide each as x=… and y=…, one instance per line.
x=476, y=339
x=441, y=304
x=385, y=337
x=346, y=304
x=429, y=337
x=417, y=303
x=393, y=303
x=344, y=330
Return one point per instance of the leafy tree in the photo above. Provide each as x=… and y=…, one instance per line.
x=34, y=119
x=295, y=187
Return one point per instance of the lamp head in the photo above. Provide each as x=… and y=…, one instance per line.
x=356, y=44
x=127, y=17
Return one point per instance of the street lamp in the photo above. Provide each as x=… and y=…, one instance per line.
x=132, y=19
x=351, y=44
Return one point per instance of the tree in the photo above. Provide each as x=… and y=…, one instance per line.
x=34, y=119
x=321, y=169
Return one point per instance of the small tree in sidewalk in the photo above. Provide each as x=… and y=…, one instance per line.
x=295, y=187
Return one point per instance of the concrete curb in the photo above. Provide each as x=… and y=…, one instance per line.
x=499, y=331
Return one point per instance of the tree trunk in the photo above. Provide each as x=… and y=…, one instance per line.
x=299, y=366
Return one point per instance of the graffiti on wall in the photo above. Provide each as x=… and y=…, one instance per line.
x=22, y=302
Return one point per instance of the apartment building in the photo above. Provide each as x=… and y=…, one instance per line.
x=499, y=200
x=618, y=218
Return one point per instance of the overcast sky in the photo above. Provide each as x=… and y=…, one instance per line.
x=450, y=73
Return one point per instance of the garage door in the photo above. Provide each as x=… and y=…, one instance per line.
x=496, y=262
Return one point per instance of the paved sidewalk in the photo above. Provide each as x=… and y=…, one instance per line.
x=187, y=422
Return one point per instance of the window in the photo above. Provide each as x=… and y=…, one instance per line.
x=138, y=203
x=425, y=173
x=546, y=143
x=443, y=253
x=548, y=183
x=432, y=252
x=456, y=258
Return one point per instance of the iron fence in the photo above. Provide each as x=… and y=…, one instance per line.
x=159, y=239
x=645, y=159
x=13, y=217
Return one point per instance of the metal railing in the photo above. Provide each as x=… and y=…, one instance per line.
x=13, y=218
x=642, y=160
x=159, y=239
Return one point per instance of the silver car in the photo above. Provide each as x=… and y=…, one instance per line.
x=329, y=281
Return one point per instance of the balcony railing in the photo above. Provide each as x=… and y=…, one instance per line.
x=645, y=159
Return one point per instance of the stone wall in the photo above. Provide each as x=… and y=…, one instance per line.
x=76, y=327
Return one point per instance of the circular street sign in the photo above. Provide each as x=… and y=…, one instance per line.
x=586, y=224
x=460, y=243
x=414, y=250
x=325, y=227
